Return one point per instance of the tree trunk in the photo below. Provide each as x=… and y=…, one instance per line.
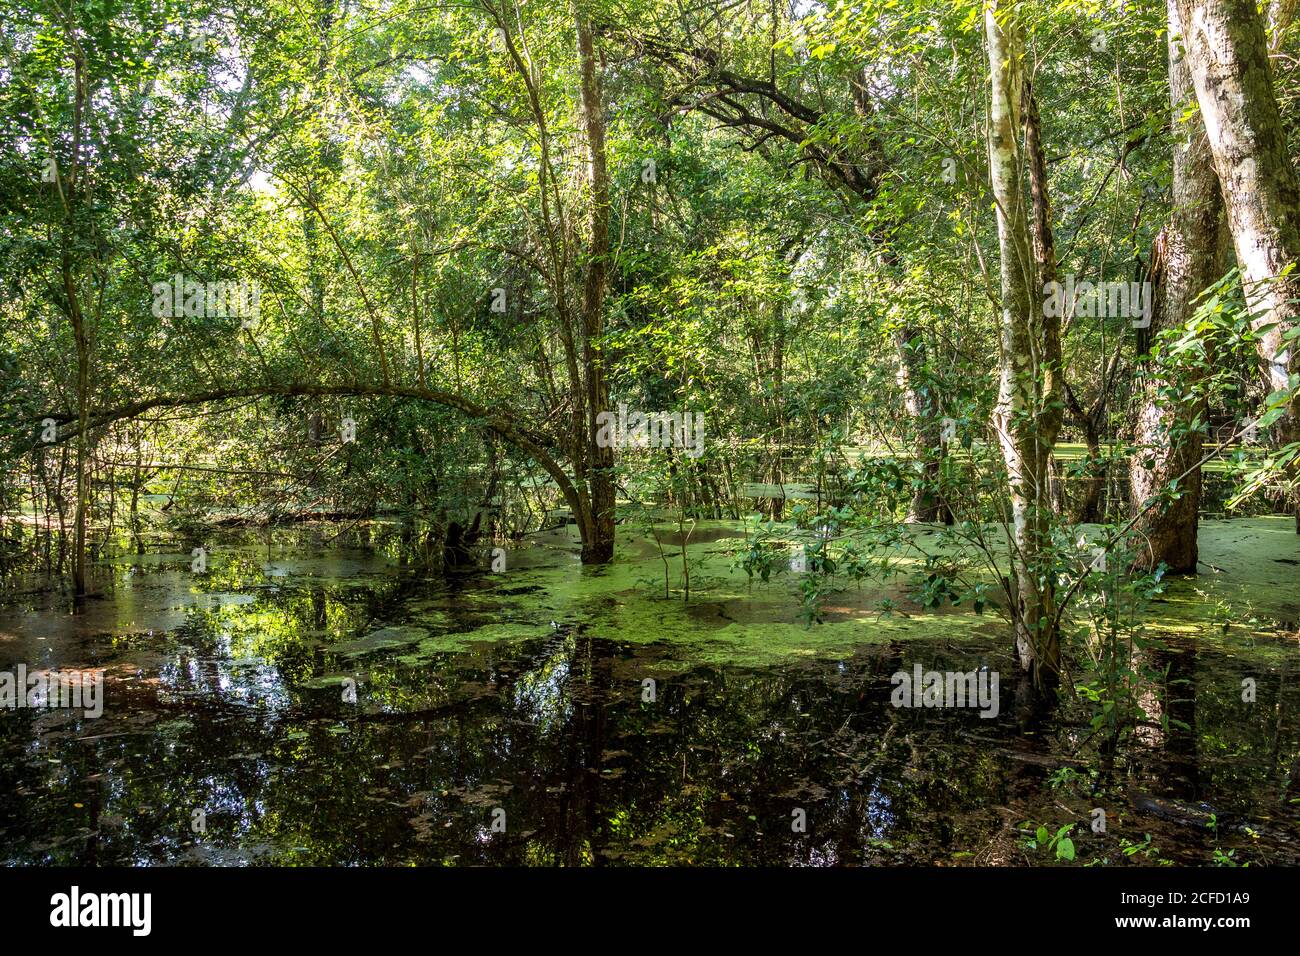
x=1227, y=56
x=1027, y=416
x=80, y=335
x=926, y=506
x=1184, y=263
x=598, y=542
x=137, y=480
x=1093, y=477
x=83, y=483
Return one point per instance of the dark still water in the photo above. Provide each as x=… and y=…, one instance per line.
x=317, y=700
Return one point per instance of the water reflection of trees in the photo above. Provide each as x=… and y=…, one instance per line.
x=556, y=732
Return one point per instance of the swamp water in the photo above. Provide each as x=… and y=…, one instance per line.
x=505, y=718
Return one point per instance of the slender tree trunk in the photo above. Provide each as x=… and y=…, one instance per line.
x=1044, y=247
x=1280, y=15
x=1184, y=263
x=1027, y=415
x=83, y=483
x=927, y=505
x=598, y=544
x=80, y=334
x=1094, y=476
x=1227, y=57
x=777, y=475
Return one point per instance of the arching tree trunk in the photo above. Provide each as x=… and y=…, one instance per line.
x=500, y=422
